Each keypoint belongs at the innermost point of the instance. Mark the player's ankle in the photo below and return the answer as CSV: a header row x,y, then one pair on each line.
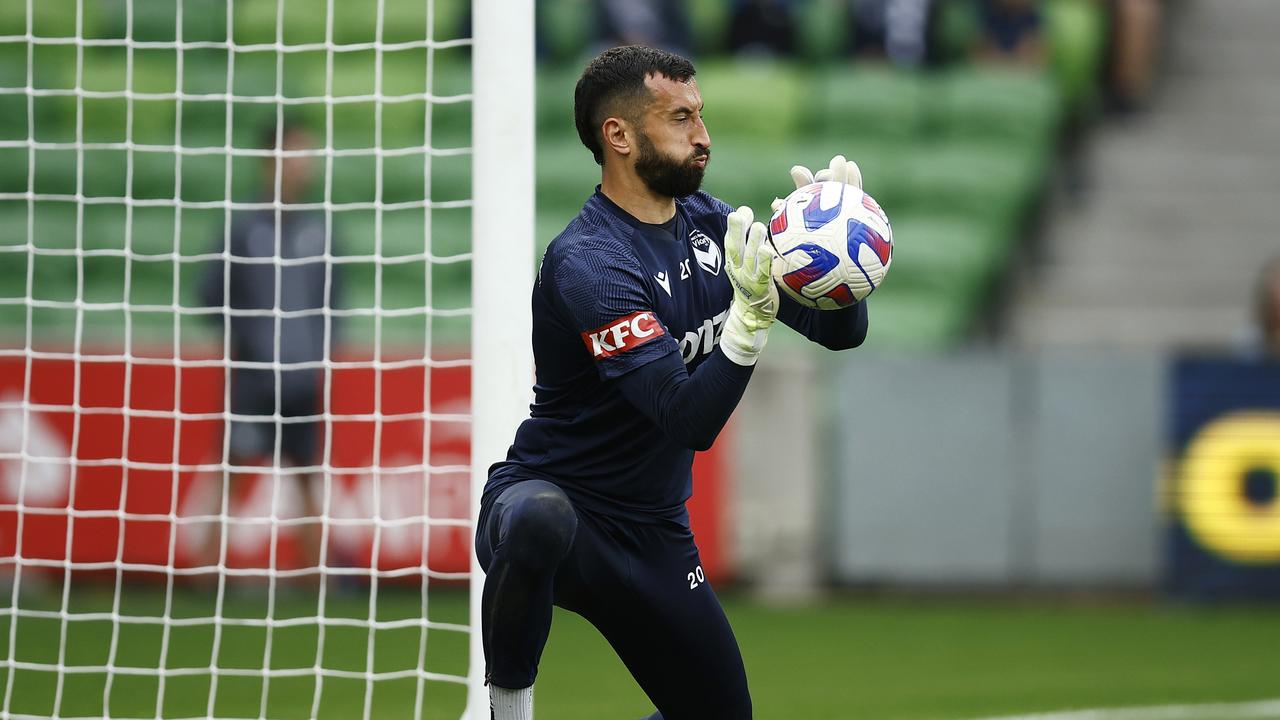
x,y
507,704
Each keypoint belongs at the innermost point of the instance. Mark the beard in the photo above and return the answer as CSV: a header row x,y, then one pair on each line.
x,y
665,175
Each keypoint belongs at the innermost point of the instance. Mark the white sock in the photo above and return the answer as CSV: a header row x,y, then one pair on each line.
x,y
511,704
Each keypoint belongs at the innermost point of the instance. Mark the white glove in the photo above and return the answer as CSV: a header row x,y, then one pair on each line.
x,y
839,169
755,299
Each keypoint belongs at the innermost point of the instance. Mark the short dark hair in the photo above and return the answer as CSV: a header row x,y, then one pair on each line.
x,y
616,78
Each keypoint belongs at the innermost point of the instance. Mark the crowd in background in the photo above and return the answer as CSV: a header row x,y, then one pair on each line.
x,y
912,34
903,32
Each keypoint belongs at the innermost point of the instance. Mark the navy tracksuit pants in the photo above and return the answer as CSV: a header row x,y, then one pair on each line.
x,y
640,584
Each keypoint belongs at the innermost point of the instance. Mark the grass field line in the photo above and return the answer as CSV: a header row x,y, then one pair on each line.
x,y
1264,709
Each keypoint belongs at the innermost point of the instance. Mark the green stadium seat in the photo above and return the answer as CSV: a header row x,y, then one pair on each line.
x,y
150,281
751,180
565,29
914,320
997,103
13,106
53,226
13,21
821,28
743,173
872,101
52,18
404,285
554,103
549,225
403,232
885,169
946,252
13,221
13,169
566,175
956,30
55,171
450,232
957,159
13,265
201,22
709,20
451,122
753,99
978,179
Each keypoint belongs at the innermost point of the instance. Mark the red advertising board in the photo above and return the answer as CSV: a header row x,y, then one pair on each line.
x,y
122,461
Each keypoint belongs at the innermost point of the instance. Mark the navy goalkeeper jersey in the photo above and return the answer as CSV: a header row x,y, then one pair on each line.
x,y
613,294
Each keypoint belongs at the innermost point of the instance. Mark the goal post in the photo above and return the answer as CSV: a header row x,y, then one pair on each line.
x,y
502,263
147,567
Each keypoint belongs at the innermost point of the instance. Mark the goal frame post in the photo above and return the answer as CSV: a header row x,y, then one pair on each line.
x,y
502,241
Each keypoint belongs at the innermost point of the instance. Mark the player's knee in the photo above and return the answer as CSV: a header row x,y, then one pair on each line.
x,y
542,528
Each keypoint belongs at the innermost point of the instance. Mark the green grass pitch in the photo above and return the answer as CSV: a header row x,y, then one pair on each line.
x,y
850,657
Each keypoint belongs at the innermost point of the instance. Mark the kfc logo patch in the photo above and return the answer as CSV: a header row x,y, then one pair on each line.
x,y
705,252
623,334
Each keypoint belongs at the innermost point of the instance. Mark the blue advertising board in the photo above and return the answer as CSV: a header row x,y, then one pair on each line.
x,y
1224,519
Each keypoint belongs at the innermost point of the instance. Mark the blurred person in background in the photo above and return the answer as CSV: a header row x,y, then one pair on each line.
x,y
1134,47
275,289
1266,342
762,27
657,23
1011,32
900,30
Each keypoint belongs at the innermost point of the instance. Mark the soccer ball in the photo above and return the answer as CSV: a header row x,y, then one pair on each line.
x,y
835,245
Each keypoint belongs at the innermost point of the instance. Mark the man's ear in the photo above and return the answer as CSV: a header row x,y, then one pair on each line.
x,y
616,133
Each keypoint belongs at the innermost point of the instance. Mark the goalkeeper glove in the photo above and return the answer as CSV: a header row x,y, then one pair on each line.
x,y
839,169
755,299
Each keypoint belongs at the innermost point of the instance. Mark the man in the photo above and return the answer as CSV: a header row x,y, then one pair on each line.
x,y
275,290
901,30
1267,308
1012,32
649,312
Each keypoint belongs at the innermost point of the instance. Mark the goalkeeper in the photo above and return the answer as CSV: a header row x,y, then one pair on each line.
x,y
649,312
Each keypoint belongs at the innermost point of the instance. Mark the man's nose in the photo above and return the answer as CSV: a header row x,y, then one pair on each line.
x,y
701,137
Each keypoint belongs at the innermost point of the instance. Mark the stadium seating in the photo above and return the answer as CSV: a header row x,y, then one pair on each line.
x,y
957,157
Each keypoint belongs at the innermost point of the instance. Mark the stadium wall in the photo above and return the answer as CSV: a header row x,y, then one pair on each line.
x,y
144,493
778,489
997,469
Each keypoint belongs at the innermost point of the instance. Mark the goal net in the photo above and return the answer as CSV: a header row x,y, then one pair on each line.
x,y
238,347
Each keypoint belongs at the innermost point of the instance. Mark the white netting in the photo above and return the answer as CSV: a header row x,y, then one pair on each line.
x,y
153,564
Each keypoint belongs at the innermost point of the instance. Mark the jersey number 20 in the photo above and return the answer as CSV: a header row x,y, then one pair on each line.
x,y
696,577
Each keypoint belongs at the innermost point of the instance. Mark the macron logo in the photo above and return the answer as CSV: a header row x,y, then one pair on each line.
x,y
664,282
623,334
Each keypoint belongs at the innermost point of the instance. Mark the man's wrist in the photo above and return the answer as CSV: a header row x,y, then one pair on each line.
x,y
738,356
743,340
